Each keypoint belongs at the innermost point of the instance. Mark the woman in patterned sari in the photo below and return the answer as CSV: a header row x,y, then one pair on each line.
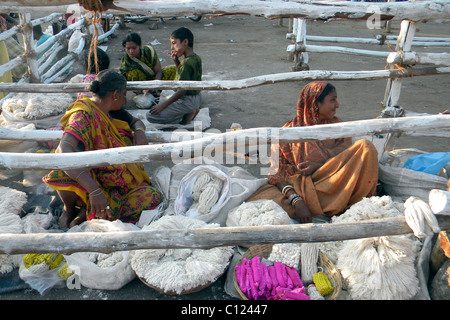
x,y
320,178
141,63
110,192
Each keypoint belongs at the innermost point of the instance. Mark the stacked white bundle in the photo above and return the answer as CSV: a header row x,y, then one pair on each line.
x,y
11,203
379,267
30,106
258,213
286,253
180,270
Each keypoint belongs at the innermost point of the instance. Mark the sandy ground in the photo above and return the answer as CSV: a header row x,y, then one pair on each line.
x,y
238,47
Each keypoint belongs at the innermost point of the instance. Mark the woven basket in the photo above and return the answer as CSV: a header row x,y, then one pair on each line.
x,y
323,262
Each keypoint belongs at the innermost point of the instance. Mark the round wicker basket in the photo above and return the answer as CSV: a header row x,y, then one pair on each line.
x,y
323,262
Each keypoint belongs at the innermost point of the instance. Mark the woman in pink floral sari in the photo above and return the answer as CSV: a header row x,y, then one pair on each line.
x,y
110,192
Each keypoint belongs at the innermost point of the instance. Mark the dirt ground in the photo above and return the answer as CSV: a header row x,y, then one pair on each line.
x,y
238,47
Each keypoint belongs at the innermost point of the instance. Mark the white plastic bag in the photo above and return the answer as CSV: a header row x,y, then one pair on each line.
x,y
243,185
90,274
184,199
399,182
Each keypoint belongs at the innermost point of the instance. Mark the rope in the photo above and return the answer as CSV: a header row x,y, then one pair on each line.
x,y
94,7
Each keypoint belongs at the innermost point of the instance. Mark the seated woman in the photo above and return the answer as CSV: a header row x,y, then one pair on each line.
x,y
142,63
320,178
110,192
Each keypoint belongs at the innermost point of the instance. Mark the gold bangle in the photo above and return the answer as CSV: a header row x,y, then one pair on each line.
x,y
139,129
296,200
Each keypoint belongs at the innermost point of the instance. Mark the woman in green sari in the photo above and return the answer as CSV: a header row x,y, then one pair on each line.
x,y
141,63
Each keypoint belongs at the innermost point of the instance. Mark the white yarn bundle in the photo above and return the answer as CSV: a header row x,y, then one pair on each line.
x,y
420,218
258,213
11,203
379,268
179,270
286,253
309,254
30,106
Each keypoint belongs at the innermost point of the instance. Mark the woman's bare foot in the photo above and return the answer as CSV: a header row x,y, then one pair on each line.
x,y
187,118
65,219
79,218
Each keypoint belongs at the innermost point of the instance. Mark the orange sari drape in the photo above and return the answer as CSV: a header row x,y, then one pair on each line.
x,y
349,172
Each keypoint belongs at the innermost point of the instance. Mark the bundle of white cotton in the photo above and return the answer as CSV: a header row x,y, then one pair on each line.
x,y
368,208
11,203
380,268
180,270
258,213
286,253
30,106
9,261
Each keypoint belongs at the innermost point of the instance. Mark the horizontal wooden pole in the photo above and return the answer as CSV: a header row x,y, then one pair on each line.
x,y
188,149
68,243
225,85
416,11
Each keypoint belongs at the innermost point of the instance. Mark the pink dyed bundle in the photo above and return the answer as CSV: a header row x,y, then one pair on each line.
x,y
261,282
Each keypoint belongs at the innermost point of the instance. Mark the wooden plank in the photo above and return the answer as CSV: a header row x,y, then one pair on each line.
x,y
417,11
225,85
188,149
67,243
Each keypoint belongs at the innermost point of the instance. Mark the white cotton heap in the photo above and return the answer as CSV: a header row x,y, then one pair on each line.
x,y
9,262
11,203
31,106
106,260
180,270
258,213
286,253
379,268
368,208
309,254
420,218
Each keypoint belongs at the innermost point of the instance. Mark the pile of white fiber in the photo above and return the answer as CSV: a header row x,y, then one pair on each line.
x,y
11,203
379,267
180,270
286,253
30,106
258,213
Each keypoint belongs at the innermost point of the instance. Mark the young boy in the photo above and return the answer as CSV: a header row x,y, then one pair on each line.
x,y
183,105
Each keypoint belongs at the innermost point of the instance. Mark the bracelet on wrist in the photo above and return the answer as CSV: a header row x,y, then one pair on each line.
x,y
297,199
96,192
286,188
293,197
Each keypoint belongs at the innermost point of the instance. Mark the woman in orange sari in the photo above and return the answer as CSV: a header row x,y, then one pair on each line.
x,y
110,192
320,178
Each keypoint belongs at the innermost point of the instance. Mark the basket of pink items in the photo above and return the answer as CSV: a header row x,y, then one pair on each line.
x,y
256,280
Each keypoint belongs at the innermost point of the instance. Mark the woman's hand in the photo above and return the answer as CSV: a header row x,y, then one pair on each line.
x,y
302,213
157,109
99,204
307,168
139,138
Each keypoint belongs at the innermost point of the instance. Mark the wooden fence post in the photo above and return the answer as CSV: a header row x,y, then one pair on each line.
x,y
33,68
